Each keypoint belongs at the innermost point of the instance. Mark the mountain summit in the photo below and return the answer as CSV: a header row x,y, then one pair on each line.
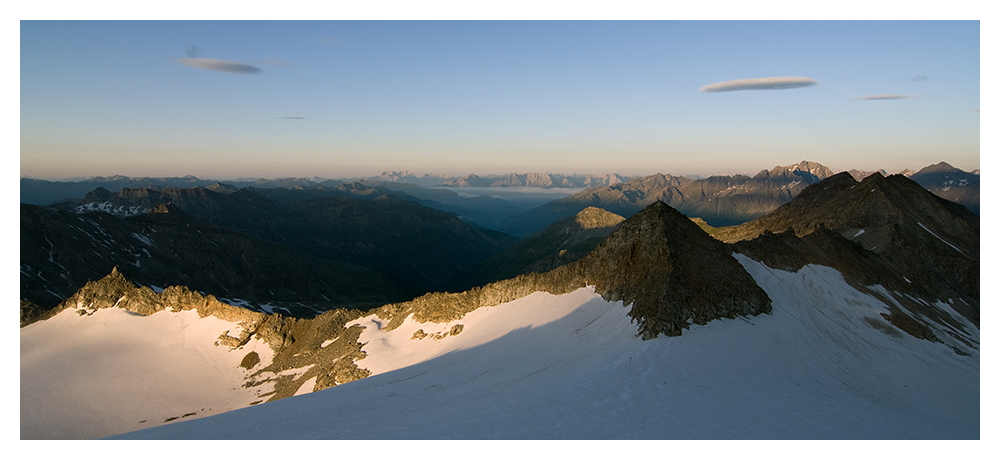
x,y
672,273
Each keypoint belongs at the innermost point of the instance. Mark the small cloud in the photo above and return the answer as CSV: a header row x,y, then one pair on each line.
x,y
976,110
273,62
292,118
219,65
919,78
758,83
882,97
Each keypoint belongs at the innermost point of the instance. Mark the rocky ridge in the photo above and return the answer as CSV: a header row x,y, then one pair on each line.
x,y
352,223
322,344
887,232
61,251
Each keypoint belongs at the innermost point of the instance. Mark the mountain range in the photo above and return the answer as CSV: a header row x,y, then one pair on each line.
x,y
849,311
718,200
355,236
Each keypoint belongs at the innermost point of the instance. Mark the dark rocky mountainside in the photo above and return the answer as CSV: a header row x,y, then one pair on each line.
x,y
719,200
423,247
430,247
950,183
61,251
564,241
672,273
928,246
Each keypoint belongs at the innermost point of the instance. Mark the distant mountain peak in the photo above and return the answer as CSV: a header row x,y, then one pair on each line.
x,y
941,167
592,217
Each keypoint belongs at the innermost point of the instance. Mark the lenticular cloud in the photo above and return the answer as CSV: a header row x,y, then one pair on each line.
x,y
219,65
758,83
882,97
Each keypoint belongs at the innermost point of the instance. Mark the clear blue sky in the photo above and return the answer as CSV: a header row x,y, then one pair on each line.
x,y
335,99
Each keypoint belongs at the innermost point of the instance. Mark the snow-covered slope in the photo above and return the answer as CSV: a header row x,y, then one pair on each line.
x,y
823,365
113,371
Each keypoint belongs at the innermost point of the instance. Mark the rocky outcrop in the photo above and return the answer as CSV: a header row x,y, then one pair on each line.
x,y
671,273
321,345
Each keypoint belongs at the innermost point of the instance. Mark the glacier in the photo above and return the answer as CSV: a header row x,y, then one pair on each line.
x,y
823,365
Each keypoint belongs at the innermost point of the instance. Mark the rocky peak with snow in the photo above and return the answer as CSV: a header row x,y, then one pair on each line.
x,y
950,183
805,170
917,235
672,273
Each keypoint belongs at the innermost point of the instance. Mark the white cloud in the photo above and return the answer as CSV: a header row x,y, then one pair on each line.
x,y
882,97
218,65
758,83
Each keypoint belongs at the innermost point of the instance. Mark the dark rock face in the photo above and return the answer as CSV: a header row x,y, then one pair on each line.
x,y
901,237
671,272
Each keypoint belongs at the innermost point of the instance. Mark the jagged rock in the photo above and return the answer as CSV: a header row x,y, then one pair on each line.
x,y
882,231
297,342
922,236
671,273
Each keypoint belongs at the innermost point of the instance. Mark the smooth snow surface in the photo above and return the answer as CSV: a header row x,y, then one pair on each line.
x,y
86,377
823,365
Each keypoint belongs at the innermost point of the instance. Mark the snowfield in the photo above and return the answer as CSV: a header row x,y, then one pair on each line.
x,y
87,377
823,365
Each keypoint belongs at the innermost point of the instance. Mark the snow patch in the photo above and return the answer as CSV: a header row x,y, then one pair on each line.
x,y
144,239
938,237
118,371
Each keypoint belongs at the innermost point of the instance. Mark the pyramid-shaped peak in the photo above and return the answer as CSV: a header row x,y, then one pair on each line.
x,y
672,273
941,167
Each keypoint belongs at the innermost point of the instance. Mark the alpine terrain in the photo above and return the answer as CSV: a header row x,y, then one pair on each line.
x,y
850,310
718,200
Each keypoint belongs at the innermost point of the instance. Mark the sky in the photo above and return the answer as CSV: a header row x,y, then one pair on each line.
x,y
231,99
